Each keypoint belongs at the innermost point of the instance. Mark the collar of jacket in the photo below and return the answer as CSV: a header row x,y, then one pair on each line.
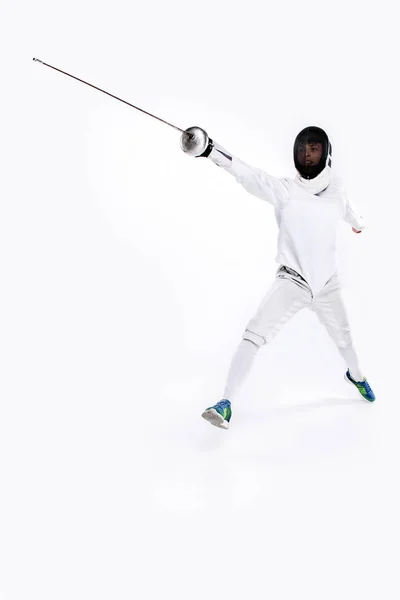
x,y
316,185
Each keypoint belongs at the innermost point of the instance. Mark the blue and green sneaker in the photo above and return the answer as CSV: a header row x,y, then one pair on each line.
x,y
219,414
363,387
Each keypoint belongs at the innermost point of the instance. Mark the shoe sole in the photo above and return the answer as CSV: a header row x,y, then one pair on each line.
x,y
213,417
352,384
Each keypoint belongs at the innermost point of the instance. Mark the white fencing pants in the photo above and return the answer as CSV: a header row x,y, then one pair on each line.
x,y
289,294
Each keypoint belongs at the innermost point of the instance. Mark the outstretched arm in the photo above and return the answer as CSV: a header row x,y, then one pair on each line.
x,y
254,180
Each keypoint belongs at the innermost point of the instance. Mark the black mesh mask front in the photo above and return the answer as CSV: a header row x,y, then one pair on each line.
x,y
307,138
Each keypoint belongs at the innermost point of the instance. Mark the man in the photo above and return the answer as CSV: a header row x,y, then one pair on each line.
x,y
308,210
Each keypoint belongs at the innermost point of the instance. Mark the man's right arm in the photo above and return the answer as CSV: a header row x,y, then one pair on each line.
x,y
254,180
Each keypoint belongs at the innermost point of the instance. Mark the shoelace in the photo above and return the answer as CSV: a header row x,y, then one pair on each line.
x,y
367,387
223,403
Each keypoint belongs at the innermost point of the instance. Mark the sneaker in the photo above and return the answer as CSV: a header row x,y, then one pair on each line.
x,y
363,387
219,414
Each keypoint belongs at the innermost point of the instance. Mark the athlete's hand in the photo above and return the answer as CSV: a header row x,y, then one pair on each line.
x,y
355,230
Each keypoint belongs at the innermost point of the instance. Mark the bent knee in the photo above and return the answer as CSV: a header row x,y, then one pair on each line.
x,y
256,339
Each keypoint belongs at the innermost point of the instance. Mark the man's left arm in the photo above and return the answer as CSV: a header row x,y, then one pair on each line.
x,y
352,217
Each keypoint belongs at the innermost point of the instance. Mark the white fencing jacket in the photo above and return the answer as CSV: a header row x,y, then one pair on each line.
x,y
308,223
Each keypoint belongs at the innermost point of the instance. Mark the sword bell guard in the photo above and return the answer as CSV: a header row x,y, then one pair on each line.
x,y
194,141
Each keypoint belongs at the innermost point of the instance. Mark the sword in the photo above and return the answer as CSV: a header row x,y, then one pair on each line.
x,y
190,135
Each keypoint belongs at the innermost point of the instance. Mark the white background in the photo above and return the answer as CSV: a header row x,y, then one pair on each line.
x,y
128,271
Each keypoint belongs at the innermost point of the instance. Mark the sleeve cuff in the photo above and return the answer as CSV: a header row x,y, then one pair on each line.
x,y
220,156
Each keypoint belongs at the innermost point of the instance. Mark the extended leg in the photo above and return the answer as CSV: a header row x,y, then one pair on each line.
x,y
282,302
330,309
284,299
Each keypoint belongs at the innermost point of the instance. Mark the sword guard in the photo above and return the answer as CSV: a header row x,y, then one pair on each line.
x,y
194,141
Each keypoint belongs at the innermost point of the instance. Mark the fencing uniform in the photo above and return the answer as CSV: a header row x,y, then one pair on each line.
x,y
308,216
